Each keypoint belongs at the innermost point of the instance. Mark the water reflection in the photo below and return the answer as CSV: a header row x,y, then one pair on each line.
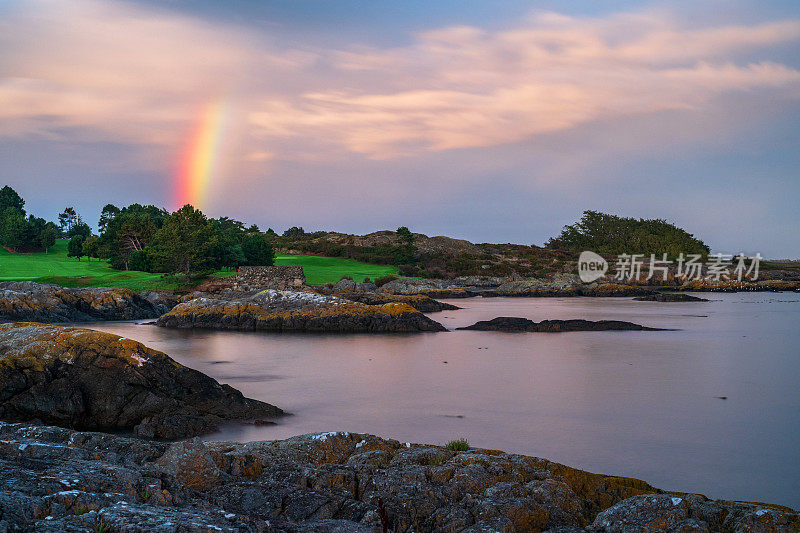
x,y
642,404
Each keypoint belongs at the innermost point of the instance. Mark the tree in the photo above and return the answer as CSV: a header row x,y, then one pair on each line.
x,y
611,234
67,219
129,231
10,198
405,235
294,232
47,237
90,247
13,228
183,242
75,247
140,260
109,212
233,257
79,227
257,250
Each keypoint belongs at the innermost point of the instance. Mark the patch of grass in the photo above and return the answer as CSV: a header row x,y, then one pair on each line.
x,y
458,445
101,526
321,270
55,267
437,460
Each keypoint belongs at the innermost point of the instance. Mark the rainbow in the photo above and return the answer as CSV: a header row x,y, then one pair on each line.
x,y
199,159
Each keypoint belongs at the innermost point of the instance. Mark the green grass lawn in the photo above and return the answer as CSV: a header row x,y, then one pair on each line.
x,y
55,267
321,270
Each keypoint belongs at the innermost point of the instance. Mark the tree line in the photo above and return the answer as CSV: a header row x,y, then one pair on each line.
x,y
139,237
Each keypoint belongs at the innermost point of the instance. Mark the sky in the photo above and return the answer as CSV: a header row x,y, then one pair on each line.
x,y
491,121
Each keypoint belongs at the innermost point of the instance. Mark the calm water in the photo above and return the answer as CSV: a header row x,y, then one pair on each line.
x,y
641,404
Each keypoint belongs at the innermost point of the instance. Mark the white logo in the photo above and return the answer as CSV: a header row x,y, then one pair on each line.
x,y
591,267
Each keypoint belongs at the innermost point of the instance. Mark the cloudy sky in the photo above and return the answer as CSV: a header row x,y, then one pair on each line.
x,y
493,121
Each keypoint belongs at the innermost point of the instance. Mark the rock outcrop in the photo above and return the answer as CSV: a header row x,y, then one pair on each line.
x,y
563,288
54,480
272,310
429,287
765,285
87,379
510,323
29,301
420,302
670,297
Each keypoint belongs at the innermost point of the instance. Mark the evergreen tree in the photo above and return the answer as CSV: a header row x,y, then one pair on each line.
x,y
257,250
183,242
75,247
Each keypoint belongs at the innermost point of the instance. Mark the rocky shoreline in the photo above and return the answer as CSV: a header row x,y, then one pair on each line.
x,y
35,302
272,310
56,480
86,379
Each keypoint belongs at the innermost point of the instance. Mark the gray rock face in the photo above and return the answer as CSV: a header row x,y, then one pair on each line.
x,y
510,323
92,380
56,479
29,301
272,310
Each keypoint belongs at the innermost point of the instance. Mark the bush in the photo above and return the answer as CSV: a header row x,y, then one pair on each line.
x,y
408,270
140,260
384,280
458,445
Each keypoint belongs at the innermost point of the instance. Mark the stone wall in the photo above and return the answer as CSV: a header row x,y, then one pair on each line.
x,y
269,277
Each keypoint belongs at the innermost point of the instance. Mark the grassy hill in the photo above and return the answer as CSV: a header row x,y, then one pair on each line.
x,y
55,267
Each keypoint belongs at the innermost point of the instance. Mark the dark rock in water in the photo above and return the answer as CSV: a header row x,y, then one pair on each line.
x,y
420,302
55,480
29,301
272,310
670,297
510,323
87,379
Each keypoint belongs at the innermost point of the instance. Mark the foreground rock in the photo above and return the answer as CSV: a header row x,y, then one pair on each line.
x,y
57,480
29,301
510,323
92,380
670,297
272,310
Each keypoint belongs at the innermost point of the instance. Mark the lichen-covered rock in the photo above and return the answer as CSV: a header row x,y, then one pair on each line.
x,y
272,310
420,302
54,479
29,301
511,323
87,379
434,288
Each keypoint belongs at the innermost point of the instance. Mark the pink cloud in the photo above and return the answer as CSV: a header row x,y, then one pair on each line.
x,y
113,70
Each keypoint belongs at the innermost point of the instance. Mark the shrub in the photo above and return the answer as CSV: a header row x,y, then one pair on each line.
x,y
140,260
383,280
408,270
458,445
